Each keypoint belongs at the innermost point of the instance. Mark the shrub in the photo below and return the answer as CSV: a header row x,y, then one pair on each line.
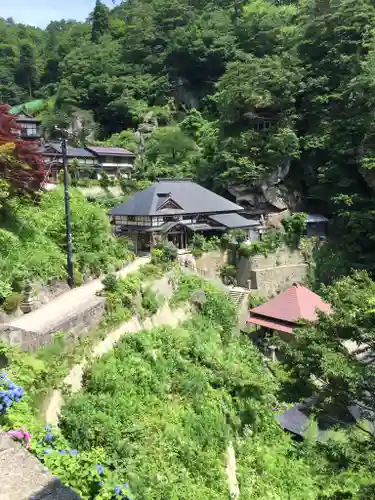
x,y
202,244
150,301
197,253
151,271
295,227
228,273
5,289
33,241
110,283
255,300
164,253
13,302
164,405
78,277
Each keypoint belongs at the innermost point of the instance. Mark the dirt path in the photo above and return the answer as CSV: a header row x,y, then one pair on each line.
x,y
165,316
44,318
230,470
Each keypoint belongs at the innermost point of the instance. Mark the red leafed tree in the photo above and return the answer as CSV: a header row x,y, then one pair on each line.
x,y
21,163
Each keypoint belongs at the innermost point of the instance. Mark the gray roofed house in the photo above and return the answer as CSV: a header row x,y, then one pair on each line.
x,y
112,151
176,208
93,160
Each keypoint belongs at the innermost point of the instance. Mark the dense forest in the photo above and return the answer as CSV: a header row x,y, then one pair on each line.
x,y
193,79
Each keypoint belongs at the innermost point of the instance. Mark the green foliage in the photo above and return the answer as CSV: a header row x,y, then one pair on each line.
x,y
215,306
130,295
228,274
295,227
270,242
100,21
168,389
164,253
201,244
12,302
33,239
255,300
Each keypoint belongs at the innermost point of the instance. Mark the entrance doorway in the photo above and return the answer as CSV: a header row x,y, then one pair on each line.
x,y
178,239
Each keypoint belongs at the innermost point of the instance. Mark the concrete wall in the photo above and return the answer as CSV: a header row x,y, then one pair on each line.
x,y
23,477
272,274
79,324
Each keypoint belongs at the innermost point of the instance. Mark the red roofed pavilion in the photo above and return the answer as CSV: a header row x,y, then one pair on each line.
x,y
283,311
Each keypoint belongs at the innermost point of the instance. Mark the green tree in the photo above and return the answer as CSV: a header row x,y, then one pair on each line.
x,y
100,21
27,74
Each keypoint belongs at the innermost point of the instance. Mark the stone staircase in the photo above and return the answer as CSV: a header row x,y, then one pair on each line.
x,y
237,294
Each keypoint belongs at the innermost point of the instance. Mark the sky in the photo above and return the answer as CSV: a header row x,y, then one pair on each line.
x,y
41,12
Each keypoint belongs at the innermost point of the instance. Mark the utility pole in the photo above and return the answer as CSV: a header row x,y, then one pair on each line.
x,y
69,247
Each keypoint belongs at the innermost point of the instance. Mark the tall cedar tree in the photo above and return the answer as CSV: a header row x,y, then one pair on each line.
x,y
100,21
27,75
23,168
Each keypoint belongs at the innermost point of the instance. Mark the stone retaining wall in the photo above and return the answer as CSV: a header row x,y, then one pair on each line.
x,y
79,324
272,274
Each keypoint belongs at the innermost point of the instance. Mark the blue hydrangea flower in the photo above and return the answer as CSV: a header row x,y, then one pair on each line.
x,y
47,428
48,452
117,490
126,486
49,437
100,469
74,452
62,452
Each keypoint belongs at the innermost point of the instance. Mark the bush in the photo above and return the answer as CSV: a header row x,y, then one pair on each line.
x,y
164,253
121,293
150,301
33,239
110,283
255,300
13,302
151,271
78,277
228,274
197,253
164,404
295,228
202,244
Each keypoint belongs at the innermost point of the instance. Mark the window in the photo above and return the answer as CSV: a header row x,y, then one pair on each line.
x,y
30,129
264,125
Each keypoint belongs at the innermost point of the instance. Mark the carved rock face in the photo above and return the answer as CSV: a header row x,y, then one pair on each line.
x,y
268,193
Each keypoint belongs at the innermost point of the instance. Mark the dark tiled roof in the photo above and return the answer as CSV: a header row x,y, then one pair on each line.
x,y
298,302
191,197
27,119
232,221
70,150
108,151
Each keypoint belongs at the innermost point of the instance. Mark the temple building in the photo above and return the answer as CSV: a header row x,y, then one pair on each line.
x,y
282,313
175,209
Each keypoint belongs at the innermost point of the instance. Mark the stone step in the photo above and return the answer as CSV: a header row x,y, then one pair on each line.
x,y
237,296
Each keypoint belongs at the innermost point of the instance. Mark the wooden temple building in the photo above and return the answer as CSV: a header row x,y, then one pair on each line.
x,y
282,313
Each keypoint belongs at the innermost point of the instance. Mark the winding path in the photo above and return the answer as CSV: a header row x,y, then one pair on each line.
x,y
66,304
165,316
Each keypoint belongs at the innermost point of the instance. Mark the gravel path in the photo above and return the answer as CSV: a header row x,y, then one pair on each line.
x,y
230,469
44,318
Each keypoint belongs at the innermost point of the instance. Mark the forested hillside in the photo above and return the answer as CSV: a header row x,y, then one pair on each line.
x,y
195,77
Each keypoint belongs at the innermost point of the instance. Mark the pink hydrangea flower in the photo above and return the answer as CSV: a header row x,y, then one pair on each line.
x,y
21,435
